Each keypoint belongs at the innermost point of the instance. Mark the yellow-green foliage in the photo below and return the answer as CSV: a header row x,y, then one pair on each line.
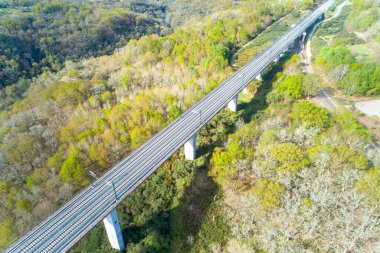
x,y
222,161
370,185
311,115
6,232
72,170
24,205
290,157
292,86
269,193
350,124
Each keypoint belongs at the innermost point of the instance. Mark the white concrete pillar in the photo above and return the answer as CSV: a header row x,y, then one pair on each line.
x,y
190,148
276,59
232,105
111,223
245,91
260,76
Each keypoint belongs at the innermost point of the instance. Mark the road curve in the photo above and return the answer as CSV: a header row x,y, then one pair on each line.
x,y
65,227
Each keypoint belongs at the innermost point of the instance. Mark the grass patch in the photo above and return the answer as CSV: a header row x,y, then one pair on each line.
x,y
364,53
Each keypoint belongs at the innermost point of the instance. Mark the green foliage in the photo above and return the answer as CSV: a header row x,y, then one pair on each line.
x,y
157,194
350,125
24,205
6,232
363,79
223,169
3,187
370,185
311,85
72,169
290,157
331,57
292,86
97,111
34,39
269,193
174,111
364,14
339,63
311,115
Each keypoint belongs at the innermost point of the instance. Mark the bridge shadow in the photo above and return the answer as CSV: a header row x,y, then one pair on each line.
x,y
255,107
178,229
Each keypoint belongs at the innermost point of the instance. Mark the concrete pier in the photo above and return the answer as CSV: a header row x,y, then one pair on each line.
x,y
111,223
232,105
190,148
260,76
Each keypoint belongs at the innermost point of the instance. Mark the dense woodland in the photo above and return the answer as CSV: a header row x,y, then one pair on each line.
x,y
37,36
249,190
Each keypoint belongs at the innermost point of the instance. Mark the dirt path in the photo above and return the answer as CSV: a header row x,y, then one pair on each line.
x,y
324,99
337,12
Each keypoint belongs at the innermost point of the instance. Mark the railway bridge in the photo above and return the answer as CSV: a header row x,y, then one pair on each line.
x,y
65,227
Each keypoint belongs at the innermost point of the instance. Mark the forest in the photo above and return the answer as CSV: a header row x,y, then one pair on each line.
x,y
253,187
38,36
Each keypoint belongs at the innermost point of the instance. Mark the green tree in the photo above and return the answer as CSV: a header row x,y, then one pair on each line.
x,y
268,192
222,161
311,115
24,205
72,170
292,86
311,85
290,157
370,185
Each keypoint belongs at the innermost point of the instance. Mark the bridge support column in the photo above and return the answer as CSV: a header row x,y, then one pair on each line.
x,y
190,148
245,91
111,223
260,76
303,36
276,59
232,105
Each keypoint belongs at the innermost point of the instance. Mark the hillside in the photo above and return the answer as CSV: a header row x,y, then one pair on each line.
x,y
38,36
282,174
92,113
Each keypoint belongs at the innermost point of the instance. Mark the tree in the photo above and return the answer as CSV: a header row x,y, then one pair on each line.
x,y
311,85
24,205
292,86
370,185
269,193
222,161
291,157
311,115
72,170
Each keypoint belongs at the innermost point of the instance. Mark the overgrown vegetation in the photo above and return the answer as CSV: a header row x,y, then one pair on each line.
x,y
40,35
292,177
336,43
